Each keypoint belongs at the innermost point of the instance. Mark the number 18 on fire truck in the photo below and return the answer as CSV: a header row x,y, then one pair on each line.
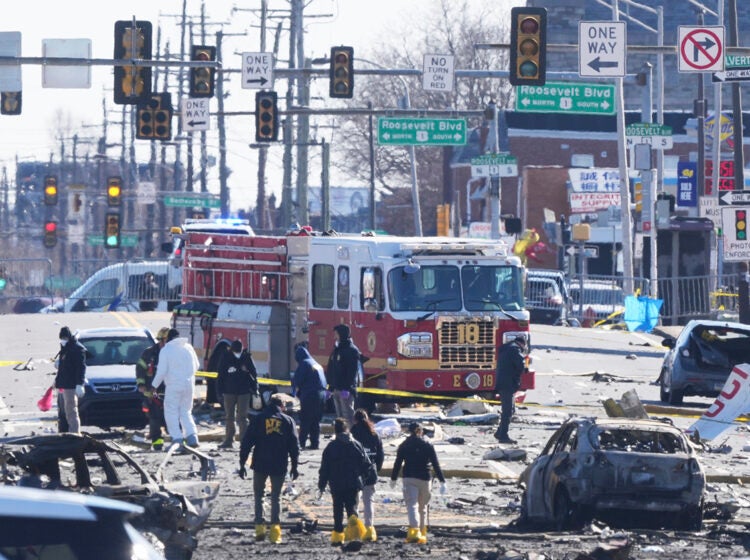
x,y
428,313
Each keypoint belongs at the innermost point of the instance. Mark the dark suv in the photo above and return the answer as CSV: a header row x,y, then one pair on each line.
x,y
112,397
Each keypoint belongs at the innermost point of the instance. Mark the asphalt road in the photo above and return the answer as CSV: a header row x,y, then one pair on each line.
x,y
576,370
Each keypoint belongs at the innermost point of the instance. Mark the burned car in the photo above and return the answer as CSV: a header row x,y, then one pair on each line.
x,y
174,512
625,471
701,358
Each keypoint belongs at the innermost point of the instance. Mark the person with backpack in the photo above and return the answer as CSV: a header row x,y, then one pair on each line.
x,y
342,468
363,430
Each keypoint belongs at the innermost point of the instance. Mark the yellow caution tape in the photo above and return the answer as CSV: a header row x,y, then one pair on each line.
x,y
9,363
368,390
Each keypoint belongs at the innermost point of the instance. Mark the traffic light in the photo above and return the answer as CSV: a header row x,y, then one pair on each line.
x,y
50,234
112,230
740,224
155,118
443,219
50,190
202,79
528,46
342,72
266,116
114,191
10,103
132,83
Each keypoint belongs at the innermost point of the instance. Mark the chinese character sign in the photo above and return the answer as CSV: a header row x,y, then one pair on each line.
x,y
687,184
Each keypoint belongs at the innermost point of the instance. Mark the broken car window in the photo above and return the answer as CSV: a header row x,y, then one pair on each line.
x,y
640,441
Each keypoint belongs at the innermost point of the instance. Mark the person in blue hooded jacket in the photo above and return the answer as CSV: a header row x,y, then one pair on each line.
x,y
309,386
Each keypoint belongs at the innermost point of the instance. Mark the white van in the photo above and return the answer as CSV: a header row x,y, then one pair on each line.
x,y
130,286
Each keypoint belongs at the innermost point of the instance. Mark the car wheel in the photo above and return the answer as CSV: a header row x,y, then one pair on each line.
x,y
692,518
523,518
663,393
675,397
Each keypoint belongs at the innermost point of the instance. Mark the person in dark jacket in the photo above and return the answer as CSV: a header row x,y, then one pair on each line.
x,y
153,401
341,372
416,454
272,437
71,373
363,430
510,365
309,386
236,383
342,468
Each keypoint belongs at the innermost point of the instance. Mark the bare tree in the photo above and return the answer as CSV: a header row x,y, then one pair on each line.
x,y
451,28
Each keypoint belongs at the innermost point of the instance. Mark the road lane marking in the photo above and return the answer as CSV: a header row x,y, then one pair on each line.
x,y
126,319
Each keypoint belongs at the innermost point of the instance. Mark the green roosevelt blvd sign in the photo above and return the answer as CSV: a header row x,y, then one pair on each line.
x,y
189,201
560,97
421,132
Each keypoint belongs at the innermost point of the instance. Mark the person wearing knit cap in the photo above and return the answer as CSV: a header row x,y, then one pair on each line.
x,y
341,373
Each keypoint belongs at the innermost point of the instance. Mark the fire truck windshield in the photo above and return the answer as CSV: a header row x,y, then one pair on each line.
x,y
492,288
441,287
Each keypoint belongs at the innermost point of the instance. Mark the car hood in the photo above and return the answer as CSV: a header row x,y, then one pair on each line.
x,y
114,372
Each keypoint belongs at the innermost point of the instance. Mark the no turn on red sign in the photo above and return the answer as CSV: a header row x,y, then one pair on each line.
x,y
701,49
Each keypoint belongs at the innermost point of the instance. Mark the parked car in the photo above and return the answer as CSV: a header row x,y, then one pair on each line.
x,y
52,525
544,301
112,397
625,471
701,358
172,511
601,300
561,281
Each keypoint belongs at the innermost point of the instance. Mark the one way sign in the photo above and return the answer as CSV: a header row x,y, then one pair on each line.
x,y
195,113
601,49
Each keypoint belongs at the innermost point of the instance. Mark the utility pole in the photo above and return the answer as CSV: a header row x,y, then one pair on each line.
x,y
739,156
303,121
260,201
288,126
325,188
223,175
622,155
700,113
490,147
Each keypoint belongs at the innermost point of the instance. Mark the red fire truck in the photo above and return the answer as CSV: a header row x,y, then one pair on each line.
x,y
427,313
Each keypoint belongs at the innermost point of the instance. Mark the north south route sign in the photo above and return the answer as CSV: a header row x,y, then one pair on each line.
x,y
421,132
561,97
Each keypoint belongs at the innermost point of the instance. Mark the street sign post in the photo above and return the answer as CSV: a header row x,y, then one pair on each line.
x,y
194,112
494,165
601,49
735,198
701,49
437,73
732,75
126,240
257,70
187,201
421,132
588,251
658,136
560,97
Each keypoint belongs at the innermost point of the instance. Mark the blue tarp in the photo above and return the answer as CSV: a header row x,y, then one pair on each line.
x,y
642,313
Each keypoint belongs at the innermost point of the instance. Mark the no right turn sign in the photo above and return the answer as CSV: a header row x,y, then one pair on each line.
x,y
701,49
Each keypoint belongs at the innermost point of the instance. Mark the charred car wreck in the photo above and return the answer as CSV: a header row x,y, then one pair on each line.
x,y
628,472
174,511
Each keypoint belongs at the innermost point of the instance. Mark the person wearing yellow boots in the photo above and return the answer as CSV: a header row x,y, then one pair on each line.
x,y
363,430
417,455
342,468
272,436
